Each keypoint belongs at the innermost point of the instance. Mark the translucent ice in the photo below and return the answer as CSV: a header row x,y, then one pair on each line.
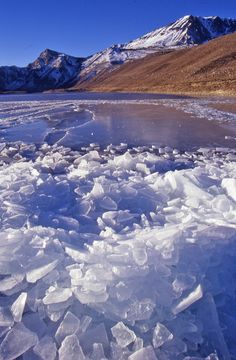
x,y
98,352
6,318
147,353
123,335
46,348
160,335
189,300
71,349
17,341
18,306
57,296
68,326
98,334
230,186
36,273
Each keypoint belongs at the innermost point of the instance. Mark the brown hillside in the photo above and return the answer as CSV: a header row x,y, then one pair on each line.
x,y
204,69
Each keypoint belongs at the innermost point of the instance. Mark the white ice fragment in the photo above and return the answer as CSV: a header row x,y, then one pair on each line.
x,y
9,282
98,334
138,344
183,282
6,318
189,300
160,335
140,255
34,274
146,353
84,323
68,326
46,348
57,296
17,341
123,335
98,352
107,203
18,306
140,309
230,186
70,349
97,191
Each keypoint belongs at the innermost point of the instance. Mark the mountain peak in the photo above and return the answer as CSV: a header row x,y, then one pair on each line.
x,y
188,30
48,53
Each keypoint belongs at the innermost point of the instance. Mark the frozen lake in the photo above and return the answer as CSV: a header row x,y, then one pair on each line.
x,y
79,119
117,227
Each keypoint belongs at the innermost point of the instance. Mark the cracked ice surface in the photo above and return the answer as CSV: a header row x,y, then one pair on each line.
x,y
117,253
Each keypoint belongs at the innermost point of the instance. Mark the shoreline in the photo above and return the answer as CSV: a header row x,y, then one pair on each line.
x,y
196,94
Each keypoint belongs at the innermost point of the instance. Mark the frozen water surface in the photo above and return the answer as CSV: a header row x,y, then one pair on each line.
x,y
117,228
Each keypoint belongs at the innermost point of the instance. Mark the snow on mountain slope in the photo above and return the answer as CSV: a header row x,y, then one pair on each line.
x,y
49,71
189,30
53,70
108,59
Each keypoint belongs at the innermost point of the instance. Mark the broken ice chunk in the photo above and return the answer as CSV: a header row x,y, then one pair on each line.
x,y
9,282
139,255
183,282
138,344
17,341
98,352
160,335
37,272
230,186
46,348
68,326
108,204
18,306
97,334
70,349
84,323
189,300
97,191
123,335
57,296
140,309
146,353
6,318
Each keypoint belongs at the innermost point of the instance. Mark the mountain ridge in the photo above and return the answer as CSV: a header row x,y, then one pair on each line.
x,y
54,70
209,68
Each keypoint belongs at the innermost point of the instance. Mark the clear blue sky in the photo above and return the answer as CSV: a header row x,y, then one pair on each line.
x,y
83,27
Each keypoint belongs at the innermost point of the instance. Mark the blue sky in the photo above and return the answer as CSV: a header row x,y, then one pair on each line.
x,y
82,27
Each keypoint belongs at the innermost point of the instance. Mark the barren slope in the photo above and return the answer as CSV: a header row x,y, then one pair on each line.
x,y
208,68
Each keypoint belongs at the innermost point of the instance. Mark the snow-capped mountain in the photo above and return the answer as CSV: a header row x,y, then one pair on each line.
x,y
50,70
53,70
189,30
109,59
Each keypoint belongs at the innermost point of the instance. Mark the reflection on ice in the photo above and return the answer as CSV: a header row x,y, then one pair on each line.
x,y
75,123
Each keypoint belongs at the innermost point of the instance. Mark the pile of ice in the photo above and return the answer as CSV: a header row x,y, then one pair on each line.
x,y
117,254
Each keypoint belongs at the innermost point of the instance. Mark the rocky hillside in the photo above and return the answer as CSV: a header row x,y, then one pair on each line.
x,y
207,68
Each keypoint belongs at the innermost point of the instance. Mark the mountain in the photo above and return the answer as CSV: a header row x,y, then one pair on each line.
x,y
189,30
108,60
209,68
53,70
